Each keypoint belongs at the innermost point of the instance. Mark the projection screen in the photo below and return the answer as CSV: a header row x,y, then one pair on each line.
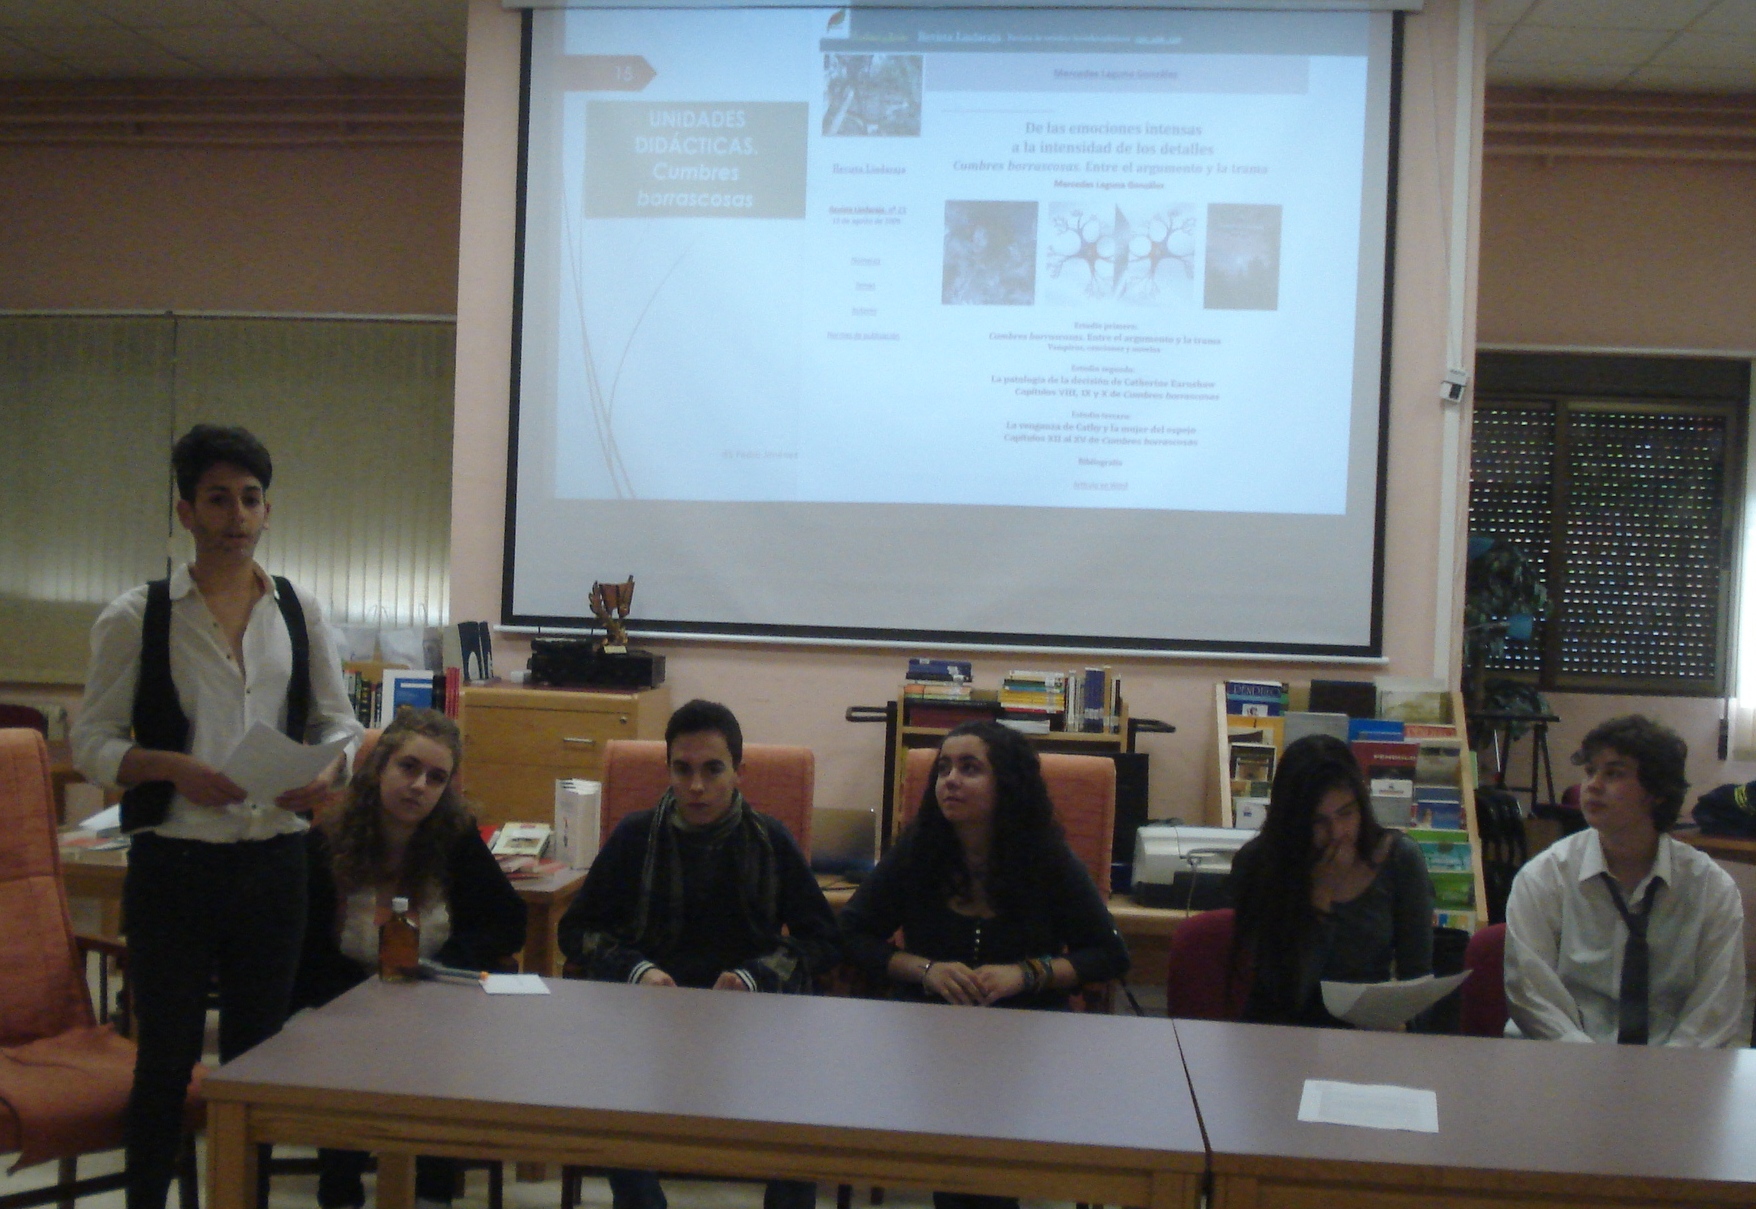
x,y
1061,328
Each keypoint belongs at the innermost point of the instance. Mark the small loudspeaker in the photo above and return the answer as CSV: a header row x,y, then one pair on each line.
x,y
1131,783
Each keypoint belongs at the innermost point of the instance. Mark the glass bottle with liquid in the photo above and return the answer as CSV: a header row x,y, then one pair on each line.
x,y
399,945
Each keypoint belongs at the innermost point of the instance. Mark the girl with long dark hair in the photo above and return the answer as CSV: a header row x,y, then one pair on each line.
x,y
993,907
1325,891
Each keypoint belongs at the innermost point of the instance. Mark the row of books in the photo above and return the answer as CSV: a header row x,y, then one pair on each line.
x,y
1407,699
377,691
938,693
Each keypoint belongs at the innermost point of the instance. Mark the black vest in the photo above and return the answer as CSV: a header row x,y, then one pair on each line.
x,y
159,720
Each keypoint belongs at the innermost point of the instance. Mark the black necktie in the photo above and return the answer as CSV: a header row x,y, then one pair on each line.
x,y
1631,1002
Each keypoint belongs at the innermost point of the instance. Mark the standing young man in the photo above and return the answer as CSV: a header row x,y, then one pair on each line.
x,y
181,669
702,891
1621,933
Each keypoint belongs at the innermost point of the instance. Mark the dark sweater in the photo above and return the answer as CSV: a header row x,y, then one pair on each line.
x,y
1387,929
713,937
487,919
1077,917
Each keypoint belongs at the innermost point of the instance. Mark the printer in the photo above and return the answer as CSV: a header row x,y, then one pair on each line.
x,y
1185,867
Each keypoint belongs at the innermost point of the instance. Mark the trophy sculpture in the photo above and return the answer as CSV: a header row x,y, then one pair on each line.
x,y
610,604
582,663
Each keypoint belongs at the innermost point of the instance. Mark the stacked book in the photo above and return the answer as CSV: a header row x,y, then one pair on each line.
x,y
937,693
1033,702
1094,701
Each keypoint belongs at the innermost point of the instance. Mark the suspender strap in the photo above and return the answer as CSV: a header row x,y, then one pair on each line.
x,y
299,682
158,719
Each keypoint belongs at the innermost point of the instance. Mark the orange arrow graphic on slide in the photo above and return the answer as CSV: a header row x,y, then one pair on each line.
x,y
605,73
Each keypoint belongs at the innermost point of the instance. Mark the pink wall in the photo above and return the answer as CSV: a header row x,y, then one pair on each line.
x,y
799,694
1619,253
353,229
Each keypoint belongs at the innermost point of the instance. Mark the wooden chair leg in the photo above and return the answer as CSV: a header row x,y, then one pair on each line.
x,y
188,1175
877,1195
264,1157
67,1171
844,1196
496,1186
570,1177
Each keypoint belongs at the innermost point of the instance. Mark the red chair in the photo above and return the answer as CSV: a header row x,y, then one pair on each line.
x,y
24,716
1484,991
64,1073
1198,983
778,780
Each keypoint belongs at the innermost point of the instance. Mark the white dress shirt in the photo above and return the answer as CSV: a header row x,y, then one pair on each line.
x,y
221,700
1564,943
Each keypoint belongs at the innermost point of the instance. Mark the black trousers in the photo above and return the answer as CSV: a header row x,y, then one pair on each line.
x,y
196,911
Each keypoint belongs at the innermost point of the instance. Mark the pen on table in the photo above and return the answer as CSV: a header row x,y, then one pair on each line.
x,y
434,971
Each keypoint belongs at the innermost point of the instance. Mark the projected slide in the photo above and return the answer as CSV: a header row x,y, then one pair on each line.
x,y
1043,259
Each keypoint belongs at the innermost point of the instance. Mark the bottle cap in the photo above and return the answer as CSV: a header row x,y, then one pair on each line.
x,y
399,905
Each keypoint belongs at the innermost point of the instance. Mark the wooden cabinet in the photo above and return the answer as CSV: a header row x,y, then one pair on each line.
x,y
517,742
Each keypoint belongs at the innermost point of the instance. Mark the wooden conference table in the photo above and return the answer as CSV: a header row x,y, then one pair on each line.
x,y
1043,1104
1521,1123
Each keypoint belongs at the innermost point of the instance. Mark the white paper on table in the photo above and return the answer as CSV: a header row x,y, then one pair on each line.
x,y
266,763
1387,1005
1370,1106
514,984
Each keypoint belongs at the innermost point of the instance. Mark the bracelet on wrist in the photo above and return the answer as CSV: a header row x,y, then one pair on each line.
x,y
927,969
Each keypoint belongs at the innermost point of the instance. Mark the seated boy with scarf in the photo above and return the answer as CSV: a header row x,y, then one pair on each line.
x,y
701,891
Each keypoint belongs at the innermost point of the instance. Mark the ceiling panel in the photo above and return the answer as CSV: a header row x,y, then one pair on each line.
x,y
22,63
138,14
1561,47
1617,14
1695,79
1557,43
1730,17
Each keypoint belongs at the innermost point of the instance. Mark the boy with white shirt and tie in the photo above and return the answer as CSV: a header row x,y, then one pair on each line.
x,y
1621,933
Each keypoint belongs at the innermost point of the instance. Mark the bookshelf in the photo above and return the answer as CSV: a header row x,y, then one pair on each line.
x,y
1224,805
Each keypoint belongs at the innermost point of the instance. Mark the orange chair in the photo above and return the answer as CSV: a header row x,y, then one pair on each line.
x,y
1082,788
64,1075
1198,985
1484,991
777,780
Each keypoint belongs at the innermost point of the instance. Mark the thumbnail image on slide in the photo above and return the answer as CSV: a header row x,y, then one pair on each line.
x,y
1243,257
872,96
990,253
1144,255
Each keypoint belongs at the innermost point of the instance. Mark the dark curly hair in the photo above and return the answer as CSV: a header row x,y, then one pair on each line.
x,y
356,828
1271,883
1026,836
1660,755
207,445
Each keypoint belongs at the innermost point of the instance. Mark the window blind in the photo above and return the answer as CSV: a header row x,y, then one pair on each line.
x,y
1626,506
358,416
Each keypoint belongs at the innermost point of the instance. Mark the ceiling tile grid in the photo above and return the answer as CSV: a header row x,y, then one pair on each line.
x,y
1693,45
